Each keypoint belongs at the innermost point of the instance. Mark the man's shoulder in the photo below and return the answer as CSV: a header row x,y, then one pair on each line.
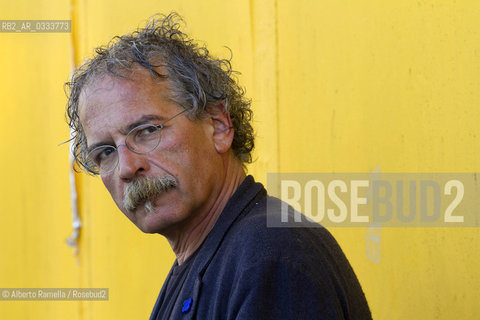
x,y
251,239
257,265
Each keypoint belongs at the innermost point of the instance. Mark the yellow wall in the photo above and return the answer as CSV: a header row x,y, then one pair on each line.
x,y
337,86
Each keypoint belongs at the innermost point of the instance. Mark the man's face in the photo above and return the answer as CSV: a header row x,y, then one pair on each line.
x,y
188,150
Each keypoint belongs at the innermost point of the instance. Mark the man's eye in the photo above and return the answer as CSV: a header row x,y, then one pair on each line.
x,y
103,155
146,132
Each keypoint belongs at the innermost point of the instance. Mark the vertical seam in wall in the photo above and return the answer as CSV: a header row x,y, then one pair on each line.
x,y
75,177
252,29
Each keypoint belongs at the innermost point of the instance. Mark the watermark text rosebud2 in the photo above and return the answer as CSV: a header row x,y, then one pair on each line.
x,y
387,199
54,294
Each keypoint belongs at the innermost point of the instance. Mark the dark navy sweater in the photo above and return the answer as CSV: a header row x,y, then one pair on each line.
x,y
245,270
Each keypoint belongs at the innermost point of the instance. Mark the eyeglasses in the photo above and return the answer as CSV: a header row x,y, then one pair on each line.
x,y
142,139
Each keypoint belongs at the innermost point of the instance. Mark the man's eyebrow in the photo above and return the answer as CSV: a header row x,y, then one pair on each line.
x,y
96,145
142,120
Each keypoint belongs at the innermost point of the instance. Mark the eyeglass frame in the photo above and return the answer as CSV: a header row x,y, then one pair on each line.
x,y
159,127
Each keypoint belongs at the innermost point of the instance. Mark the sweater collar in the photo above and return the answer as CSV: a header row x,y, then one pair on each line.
x,y
242,199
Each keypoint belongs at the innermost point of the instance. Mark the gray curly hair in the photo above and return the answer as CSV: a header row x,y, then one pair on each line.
x,y
196,79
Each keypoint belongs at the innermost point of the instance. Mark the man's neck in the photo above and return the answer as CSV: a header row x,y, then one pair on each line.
x,y
186,242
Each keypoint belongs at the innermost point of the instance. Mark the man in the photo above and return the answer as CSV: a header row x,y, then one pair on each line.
x,y
168,130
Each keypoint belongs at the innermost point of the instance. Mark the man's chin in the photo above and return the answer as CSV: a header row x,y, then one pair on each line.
x,y
150,227
147,220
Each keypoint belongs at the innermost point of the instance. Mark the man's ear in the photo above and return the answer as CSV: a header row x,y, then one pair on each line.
x,y
222,127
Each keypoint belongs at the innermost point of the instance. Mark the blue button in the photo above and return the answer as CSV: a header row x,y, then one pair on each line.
x,y
187,304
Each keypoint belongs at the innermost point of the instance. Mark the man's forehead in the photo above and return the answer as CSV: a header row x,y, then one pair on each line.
x,y
114,89
105,84
94,95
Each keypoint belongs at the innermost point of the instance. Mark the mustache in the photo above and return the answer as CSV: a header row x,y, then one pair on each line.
x,y
144,189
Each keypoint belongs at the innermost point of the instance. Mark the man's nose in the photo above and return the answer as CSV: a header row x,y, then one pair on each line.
x,y
130,164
